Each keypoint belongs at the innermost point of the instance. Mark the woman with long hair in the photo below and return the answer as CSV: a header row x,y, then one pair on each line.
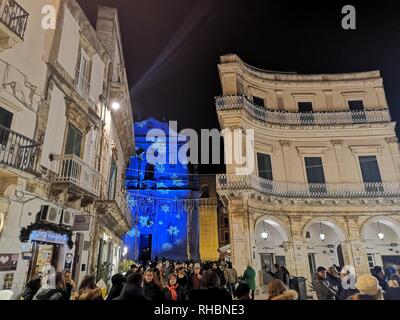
x,y
277,290
88,290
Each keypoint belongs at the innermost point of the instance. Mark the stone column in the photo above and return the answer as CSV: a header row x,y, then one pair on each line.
x,y
240,235
394,152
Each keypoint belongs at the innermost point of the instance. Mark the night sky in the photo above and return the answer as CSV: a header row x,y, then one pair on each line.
x,y
172,48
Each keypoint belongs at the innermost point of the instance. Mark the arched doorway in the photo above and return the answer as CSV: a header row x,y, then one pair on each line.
x,y
324,244
382,242
270,237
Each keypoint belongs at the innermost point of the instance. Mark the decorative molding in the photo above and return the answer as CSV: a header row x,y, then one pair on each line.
x,y
311,150
366,150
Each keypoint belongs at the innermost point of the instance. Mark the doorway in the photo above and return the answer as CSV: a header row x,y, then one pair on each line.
x,y
145,242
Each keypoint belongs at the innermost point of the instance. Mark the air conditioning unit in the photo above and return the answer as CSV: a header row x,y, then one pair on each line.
x,y
67,218
50,213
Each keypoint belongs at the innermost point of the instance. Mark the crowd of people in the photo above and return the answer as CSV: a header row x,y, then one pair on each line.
x,y
341,284
215,282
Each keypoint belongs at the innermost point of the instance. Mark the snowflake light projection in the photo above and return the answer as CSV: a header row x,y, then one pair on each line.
x,y
165,208
145,221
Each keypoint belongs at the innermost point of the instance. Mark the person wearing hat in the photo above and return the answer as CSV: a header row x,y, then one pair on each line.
x,y
368,287
195,278
323,289
378,273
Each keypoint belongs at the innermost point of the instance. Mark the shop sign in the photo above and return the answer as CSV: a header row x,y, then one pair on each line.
x,y
81,223
26,255
8,262
68,261
48,236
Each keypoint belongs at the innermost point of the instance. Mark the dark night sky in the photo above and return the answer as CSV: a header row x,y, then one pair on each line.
x,y
172,48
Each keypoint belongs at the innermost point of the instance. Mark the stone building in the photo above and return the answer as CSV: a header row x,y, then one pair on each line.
x,y
325,186
66,136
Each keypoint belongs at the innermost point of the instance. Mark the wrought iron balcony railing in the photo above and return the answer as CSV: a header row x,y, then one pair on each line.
x,y
72,169
14,17
309,190
301,118
18,151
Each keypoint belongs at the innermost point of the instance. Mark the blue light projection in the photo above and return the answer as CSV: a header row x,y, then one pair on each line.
x,y
164,223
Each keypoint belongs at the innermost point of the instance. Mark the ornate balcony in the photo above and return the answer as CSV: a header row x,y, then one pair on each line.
x,y
18,151
13,22
76,175
300,118
116,213
308,190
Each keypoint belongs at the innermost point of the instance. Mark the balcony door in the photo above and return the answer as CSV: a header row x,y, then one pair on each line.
x,y
370,173
357,108
315,174
74,141
112,181
265,170
5,121
306,112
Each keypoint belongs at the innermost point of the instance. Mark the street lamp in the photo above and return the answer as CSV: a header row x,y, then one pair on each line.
x,y
380,234
115,105
264,234
322,234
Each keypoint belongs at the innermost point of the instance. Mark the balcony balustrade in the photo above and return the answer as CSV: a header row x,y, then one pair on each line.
x,y
301,118
73,170
18,151
309,190
13,23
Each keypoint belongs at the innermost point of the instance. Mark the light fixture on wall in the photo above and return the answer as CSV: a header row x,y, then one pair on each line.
x,y
264,234
380,234
124,251
322,234
115,105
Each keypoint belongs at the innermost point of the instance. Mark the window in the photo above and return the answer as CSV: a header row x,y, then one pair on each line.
x,y
311,263
315,174
370,173
149,172
226,234
83,74
5,118
264,166
74,141
226,221
5,121
305,110
259,101
371,260
112,186
357,108
205,192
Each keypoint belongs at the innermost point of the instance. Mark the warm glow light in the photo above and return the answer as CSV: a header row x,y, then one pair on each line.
x,y
264,235
115,106
125,252
381,235
322,236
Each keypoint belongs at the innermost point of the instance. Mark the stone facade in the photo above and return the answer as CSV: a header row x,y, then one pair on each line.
x,y
302,215
77,146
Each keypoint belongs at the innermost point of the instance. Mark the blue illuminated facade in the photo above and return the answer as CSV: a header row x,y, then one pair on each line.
x,y
166,226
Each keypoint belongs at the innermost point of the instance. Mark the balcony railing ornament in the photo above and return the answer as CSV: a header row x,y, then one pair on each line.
x,y
14,17
301,118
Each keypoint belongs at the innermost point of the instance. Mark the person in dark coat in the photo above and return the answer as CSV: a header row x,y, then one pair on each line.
x,y
152,286
378,273
323,289
334,280
31,288
242,292
183,281
51,292
133,289
393,290
210,291
118,281
195,278
70,285
220,273
173,291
